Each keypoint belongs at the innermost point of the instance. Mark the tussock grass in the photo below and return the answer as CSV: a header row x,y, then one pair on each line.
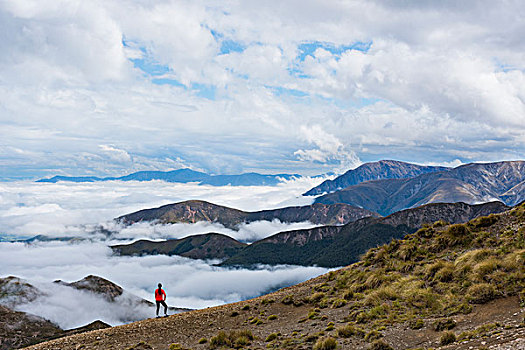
x,y
437,271
325,344
233,339
447,338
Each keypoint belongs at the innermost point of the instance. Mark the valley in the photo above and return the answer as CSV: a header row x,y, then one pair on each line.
x,y
444,286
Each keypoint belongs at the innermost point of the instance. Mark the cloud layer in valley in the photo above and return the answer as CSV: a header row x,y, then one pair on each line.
x,y
70,209
188,283
77,209
109,87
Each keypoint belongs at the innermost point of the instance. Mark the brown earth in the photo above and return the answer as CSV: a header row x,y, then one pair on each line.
x,y
292,322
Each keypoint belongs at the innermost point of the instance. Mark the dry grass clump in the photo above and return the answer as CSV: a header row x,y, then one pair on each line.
x,y
446,324
325,344
348,331
436,272
372,336
481,293
416,323
447,338
271,337
380,345
233,339
482,331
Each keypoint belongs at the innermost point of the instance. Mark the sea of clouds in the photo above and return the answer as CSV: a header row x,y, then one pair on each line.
x,y
79,210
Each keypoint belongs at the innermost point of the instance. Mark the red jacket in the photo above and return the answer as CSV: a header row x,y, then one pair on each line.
x,y
160,294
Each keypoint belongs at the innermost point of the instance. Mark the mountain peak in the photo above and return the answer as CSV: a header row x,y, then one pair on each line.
x,y
382,169
469,183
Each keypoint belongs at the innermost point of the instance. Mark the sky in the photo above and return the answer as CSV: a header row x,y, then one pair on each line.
x,y
108,87
79,210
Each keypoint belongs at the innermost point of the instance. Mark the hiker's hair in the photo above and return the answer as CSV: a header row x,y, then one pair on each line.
x,y
160,285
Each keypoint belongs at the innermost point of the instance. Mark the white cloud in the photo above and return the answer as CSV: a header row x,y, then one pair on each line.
x,y
71,209
245,233
188,283
329,149
67,75
115,154
77,209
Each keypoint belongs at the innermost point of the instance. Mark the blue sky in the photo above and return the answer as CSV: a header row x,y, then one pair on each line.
x,y
106,88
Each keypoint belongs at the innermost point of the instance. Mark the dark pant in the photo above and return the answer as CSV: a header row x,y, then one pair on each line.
x,y
159,302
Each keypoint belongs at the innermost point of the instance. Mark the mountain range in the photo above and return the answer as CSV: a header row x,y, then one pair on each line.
x,y
195,210
328,246
333,246
383,169
470,183
186,176
456,286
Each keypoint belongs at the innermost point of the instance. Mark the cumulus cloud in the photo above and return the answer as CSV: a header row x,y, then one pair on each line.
x,y
329,149
159,80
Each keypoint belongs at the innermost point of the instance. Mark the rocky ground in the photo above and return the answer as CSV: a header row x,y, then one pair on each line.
x,y
502,318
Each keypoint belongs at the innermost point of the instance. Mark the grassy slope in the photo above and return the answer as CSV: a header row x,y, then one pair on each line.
x,y
432,279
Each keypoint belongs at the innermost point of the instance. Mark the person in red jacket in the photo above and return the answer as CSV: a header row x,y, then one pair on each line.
x,y
160,298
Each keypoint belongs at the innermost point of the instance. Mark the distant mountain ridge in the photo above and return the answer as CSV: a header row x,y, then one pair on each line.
x,y
203,246
383,169
327,246
470,183
186,176
333,246
195,210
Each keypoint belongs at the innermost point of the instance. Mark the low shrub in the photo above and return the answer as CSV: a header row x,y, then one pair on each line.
x,y
485,221
481,293
337,303
203,341
346,331
416,324
457,230
373,335
441,325
325,344
447,338
287,300
272,317
271,337
380,345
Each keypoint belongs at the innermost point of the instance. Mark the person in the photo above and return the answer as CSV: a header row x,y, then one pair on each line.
x,y
160,299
